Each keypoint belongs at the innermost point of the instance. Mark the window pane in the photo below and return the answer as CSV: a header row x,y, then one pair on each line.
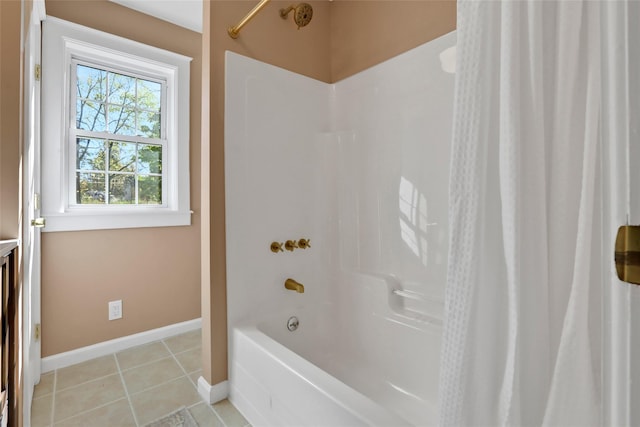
x,y
91,83
109,170
122,189
90,188
90,154
149,124
122,120
90,115
122,90
149,158
149,94
149,190
122,156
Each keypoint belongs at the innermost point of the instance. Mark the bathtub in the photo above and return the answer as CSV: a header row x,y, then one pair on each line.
x,y
331,372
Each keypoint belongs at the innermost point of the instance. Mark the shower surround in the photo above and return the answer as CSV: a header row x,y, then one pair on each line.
x,y
361,168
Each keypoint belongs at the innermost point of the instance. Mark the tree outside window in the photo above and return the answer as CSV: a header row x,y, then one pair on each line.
x,y
119,141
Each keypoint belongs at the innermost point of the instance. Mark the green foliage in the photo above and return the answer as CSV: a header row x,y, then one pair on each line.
x,y
120,105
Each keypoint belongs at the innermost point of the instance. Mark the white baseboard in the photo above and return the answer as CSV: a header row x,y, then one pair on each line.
x,y
212,393
83,354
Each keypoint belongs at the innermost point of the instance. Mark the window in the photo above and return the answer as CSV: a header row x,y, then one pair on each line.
x,y
116,140
118,137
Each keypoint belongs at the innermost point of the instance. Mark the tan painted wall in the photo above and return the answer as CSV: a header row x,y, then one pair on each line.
x,y
10,126
344,37
365,33
155,271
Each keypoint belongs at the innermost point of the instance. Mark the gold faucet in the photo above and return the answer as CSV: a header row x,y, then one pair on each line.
x,y
292,285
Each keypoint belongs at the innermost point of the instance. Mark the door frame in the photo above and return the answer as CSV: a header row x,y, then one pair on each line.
x,y
30,246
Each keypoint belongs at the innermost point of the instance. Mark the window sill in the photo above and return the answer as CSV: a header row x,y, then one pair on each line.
x,y
78,221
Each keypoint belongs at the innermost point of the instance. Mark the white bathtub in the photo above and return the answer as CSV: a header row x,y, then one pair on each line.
x,y
330,372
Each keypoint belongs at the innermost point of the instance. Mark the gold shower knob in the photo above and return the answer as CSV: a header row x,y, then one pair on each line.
x,y
276,247
304,243
290,245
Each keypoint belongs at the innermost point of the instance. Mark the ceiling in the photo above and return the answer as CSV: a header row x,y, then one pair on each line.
x,y
185,13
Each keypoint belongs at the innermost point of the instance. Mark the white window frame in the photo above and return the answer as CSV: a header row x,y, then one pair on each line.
x,y
63,44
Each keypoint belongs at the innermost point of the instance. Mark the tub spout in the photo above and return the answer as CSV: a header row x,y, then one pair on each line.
x,y
292,285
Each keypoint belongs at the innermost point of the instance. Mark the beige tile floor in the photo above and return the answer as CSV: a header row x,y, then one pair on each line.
x,y
130,388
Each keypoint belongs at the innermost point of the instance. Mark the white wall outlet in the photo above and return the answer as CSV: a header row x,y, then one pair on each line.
x,y
115,310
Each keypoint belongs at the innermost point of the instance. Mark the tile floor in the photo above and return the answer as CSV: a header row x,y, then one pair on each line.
x,y
130,388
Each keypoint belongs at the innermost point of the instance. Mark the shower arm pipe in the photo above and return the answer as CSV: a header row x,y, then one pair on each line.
x,y
235,31
285,12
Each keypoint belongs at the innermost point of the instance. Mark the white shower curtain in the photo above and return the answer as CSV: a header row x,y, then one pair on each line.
x,y
522,337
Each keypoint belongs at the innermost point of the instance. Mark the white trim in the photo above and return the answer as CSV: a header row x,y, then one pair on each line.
x,y
80,221
63,41
212,393
39,11
105,348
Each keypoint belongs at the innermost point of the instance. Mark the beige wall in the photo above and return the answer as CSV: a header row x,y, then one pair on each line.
x,y
10,126
365,33
155,271
344,37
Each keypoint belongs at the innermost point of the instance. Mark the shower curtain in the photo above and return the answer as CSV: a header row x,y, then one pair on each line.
x,y
522,335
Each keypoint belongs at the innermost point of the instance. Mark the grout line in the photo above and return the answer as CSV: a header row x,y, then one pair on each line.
x,y
218,415
92,409
224,423
145,363
213,411
164,383
178,362
53,397
126,391
194,384
184,349
88,381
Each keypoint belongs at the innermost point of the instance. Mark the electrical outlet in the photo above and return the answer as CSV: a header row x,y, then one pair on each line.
x,y
115,310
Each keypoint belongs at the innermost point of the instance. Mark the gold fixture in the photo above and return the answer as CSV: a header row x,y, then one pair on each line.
x,y
303,12
276,247
38,222
292,285
304,243
627,254
290,245
235,31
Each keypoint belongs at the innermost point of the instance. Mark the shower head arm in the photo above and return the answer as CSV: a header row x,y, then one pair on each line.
x,y
284,12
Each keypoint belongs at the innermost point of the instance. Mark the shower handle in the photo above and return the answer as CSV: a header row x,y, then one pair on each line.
x,y
304,243
290,245
276,247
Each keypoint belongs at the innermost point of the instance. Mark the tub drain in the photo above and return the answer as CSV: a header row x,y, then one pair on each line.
x,y
292,323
